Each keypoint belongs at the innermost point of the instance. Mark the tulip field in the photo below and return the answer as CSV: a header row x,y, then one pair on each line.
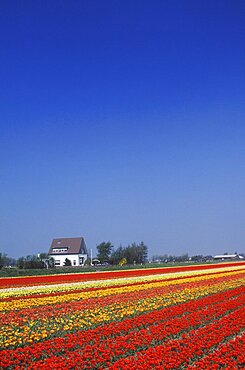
x,y
190,317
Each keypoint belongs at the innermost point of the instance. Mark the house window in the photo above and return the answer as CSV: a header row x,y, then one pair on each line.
x,y
59,250
57,262
81,259
74,262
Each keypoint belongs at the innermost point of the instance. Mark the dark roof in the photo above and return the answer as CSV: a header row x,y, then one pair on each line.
x,y
73,245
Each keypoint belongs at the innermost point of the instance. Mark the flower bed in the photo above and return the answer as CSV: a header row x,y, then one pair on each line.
x,y
186,319
61,278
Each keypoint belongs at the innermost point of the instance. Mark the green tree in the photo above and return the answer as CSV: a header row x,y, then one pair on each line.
x,y
21,262
104,251
134,254
67,262
131,254
43,256
30,262
142,253
3,258
10,261
33,262
117,255
50,262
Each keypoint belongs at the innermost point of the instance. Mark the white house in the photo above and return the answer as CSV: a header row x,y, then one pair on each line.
x,y
73,249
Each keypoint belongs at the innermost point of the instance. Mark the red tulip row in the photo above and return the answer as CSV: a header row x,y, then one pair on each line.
x,y
106,344
192,346
230,355
63,278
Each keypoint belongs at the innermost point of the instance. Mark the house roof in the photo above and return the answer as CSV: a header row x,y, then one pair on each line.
x,y
68,246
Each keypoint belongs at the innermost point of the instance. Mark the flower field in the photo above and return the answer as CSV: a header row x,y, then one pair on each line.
x,y
173,318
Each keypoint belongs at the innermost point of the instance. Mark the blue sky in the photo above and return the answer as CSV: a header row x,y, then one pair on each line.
x,y
123,121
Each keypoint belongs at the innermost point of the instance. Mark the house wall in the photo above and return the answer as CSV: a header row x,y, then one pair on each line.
x,y
76,259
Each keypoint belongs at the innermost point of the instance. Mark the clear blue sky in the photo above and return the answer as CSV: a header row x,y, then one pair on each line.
x,y
123,121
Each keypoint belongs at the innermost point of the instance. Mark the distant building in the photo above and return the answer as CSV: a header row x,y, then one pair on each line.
x,y
73,249
227,257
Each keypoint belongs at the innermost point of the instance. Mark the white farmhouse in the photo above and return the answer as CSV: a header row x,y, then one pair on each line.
x,y
73,249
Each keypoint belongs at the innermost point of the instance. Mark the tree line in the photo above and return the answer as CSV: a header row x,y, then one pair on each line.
x,y
131,254
164,258
33,261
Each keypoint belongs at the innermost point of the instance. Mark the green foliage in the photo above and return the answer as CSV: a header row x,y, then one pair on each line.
x,y
30,262
67,262
43,256
104,251
117,255
2,260
51,262
88,262
6,261
39,261
21,262
133,254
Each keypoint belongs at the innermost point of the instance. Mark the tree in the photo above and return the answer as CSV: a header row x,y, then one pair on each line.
x,y
104,251
30,262
51,262
10,261
33,262
3,257
142,253
117,255
43,256
46,260
21,262
134,253
67,262
159,258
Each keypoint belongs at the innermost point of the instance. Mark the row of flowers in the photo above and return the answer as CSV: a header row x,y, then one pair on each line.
x,y
33,324
49,299
108,343
228,355
112,294
187,349
167,321
65,288
61,278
